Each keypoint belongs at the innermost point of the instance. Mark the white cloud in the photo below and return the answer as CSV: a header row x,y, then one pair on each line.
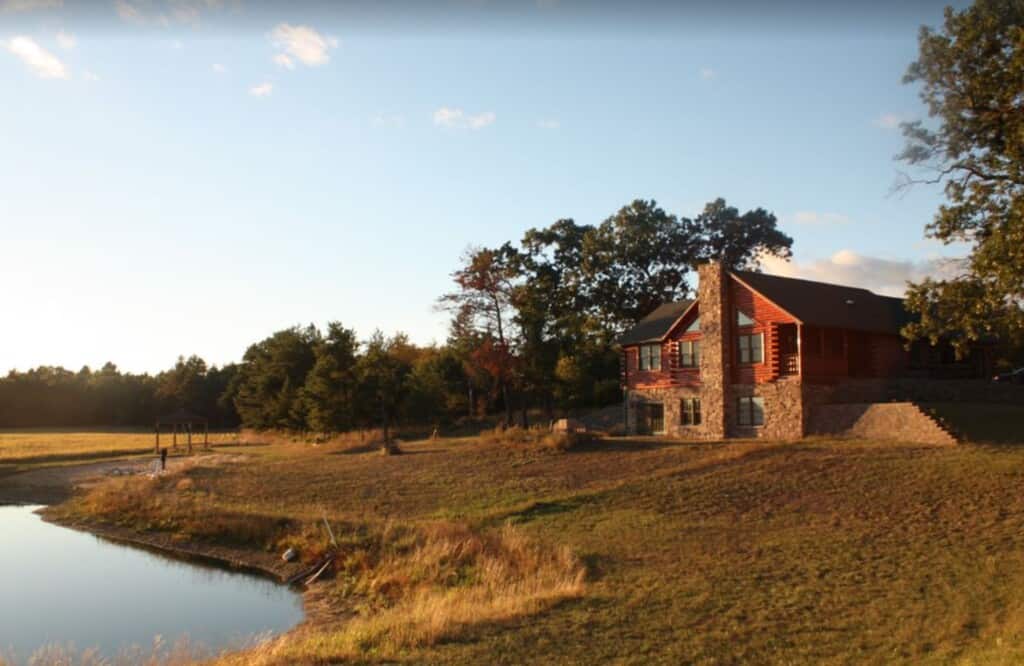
x,y
262,90
303,44
165,12
218,68
128,11
888,121
42,62
284,60
89,75
16,6
548,123
66,40
459,119
813,217
707,73
883,276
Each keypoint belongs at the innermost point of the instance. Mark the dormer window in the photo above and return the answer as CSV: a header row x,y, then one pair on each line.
x,y
743,319
650,357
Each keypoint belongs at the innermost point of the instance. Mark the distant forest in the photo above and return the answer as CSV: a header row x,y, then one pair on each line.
x,y
533,326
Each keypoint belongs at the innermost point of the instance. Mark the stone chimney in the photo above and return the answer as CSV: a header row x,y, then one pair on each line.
x,y
716,347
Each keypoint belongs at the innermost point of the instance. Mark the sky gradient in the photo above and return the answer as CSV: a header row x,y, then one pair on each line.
x,y
188,177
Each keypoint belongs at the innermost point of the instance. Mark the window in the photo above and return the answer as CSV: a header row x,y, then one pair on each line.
x,y
743,319
694,326
652,418
751,348
689,411
751,411
650,357
689,354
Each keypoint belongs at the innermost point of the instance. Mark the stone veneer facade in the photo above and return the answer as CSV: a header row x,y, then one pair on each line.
x,y
783,399
793,408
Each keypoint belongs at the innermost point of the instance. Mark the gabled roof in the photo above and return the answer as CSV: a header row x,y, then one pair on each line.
x,y
812,303
831,305
656,325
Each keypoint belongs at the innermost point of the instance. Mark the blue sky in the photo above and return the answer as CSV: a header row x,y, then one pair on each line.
x,y
187,177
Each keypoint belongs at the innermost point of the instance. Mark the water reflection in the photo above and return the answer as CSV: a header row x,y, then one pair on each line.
x,y
60,586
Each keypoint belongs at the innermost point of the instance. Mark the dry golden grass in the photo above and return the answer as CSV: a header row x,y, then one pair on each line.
x,y
38,446
183,652
405,585
539,437
819,552
449,578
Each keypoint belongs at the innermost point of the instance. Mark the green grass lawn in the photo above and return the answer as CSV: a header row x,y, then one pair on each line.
x,y
747,552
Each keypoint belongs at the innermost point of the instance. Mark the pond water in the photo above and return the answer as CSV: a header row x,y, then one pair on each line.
x,y
61,586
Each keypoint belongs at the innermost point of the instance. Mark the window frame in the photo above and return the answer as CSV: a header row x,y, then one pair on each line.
x,y
689,412
749,338
693,354
649,366
746,414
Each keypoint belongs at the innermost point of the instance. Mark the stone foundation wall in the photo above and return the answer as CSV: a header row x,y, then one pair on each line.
x,y
669,398
783,410
900,421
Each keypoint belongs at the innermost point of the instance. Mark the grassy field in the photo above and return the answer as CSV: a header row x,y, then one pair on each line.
x,y
28,446
632,551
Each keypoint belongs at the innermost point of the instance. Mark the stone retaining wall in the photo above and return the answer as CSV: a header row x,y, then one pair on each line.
x,y
900,421
914,390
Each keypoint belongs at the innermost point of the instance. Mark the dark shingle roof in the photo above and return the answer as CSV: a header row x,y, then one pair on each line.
x,y
832,305
654,326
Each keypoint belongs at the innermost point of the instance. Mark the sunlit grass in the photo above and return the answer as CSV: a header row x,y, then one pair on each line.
x,y
28,446
746,552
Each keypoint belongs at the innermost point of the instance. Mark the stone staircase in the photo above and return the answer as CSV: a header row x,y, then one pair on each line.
x,y
901,421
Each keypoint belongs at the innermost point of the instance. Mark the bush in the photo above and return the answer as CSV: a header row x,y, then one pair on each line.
x,y
536,437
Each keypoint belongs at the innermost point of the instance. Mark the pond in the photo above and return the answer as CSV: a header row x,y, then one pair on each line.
x,y
59,586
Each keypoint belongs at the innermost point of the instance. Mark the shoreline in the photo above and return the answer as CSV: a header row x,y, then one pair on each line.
x,y
252,562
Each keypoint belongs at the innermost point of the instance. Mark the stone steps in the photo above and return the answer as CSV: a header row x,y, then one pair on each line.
x,y
901,421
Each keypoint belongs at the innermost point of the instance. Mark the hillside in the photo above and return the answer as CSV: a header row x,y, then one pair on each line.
x,y
798,553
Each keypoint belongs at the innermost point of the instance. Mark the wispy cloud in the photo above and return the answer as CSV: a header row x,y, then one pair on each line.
x,y
708,73
164,12
66,40
128,11
888,121
284,60
218,68
262,90
458,119
17,6
393,120
548,123
43,63
883,276
301,43
813,217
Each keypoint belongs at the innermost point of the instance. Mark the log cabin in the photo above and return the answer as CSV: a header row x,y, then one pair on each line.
x,y
754,355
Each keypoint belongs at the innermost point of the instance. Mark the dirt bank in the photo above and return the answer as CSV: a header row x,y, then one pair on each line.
x,y
52,485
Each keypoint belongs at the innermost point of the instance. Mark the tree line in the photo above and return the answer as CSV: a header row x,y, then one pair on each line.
x,y
533,328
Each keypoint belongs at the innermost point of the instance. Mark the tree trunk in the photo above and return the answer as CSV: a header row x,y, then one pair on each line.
x,y
508,404
386,428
